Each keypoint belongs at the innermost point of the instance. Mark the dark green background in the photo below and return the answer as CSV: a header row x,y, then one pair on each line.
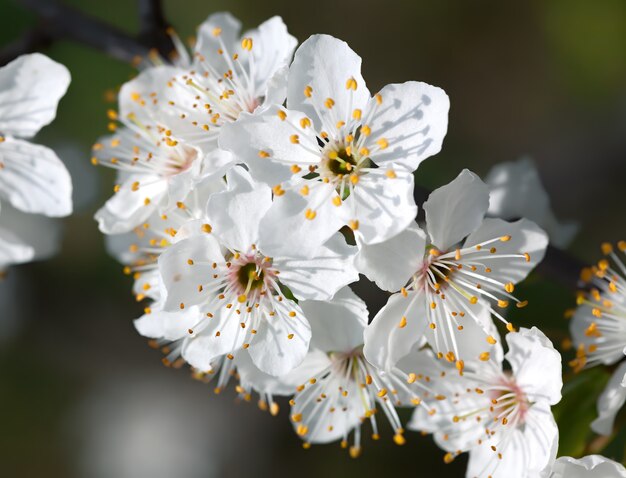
x,y
543,78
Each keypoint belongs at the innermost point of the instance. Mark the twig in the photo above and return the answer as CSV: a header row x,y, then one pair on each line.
x,y
60,22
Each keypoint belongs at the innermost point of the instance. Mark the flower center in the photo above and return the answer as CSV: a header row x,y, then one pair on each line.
x,y
249,277
509,402
340,162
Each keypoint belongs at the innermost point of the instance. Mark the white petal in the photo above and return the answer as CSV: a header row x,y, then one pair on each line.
x,y
250,375
320,275
265,143
33,179
471,341
382,206
286,229
412,119
610,402
205,346
386,340
536,365
236,214
40,233
528,452
30,89
137,96
526,237
181,279
455,210
159,324
127,209
392,263
592,466
13,250
337,325
272,50
324,426
220,29
517,191
326,64
271,350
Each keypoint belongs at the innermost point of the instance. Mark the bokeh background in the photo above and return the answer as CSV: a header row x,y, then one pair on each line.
x,y
82,395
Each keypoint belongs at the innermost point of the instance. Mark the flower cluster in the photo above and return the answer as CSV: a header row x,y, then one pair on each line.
x,y
34,184
257,180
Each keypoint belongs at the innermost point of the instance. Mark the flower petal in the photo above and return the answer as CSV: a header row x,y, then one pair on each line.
x,y
592,466
127,208
455,210
30,89
337,325
159,324
216,32
611,402
264,142
411,120
41,233
527,452
392,263
33,179
321,274
272,50
326,65
250,375
288,230
282,341
517,191
236,214
525,238
13,250
221,335
397,327
535,364
180,278
381,206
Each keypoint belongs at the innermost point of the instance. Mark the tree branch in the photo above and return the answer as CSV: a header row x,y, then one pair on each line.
x,y
60,22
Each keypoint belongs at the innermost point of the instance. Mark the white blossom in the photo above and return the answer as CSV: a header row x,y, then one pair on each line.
x,y
33,180
449,280
241,288
501,416
336,155
339,389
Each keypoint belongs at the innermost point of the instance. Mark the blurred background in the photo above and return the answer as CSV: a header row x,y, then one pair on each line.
x,y
81,393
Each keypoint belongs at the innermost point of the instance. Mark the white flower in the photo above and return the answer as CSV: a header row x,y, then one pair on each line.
x,y
32,178
242,289
450,280
598,326
502,417
229,74
155,172
339,389
336,156
517,191
592,466
140,250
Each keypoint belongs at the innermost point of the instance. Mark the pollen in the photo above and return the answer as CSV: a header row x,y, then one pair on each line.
x,y
246,44
310,214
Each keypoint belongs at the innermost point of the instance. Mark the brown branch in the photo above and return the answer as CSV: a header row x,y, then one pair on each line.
x,y
60,22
